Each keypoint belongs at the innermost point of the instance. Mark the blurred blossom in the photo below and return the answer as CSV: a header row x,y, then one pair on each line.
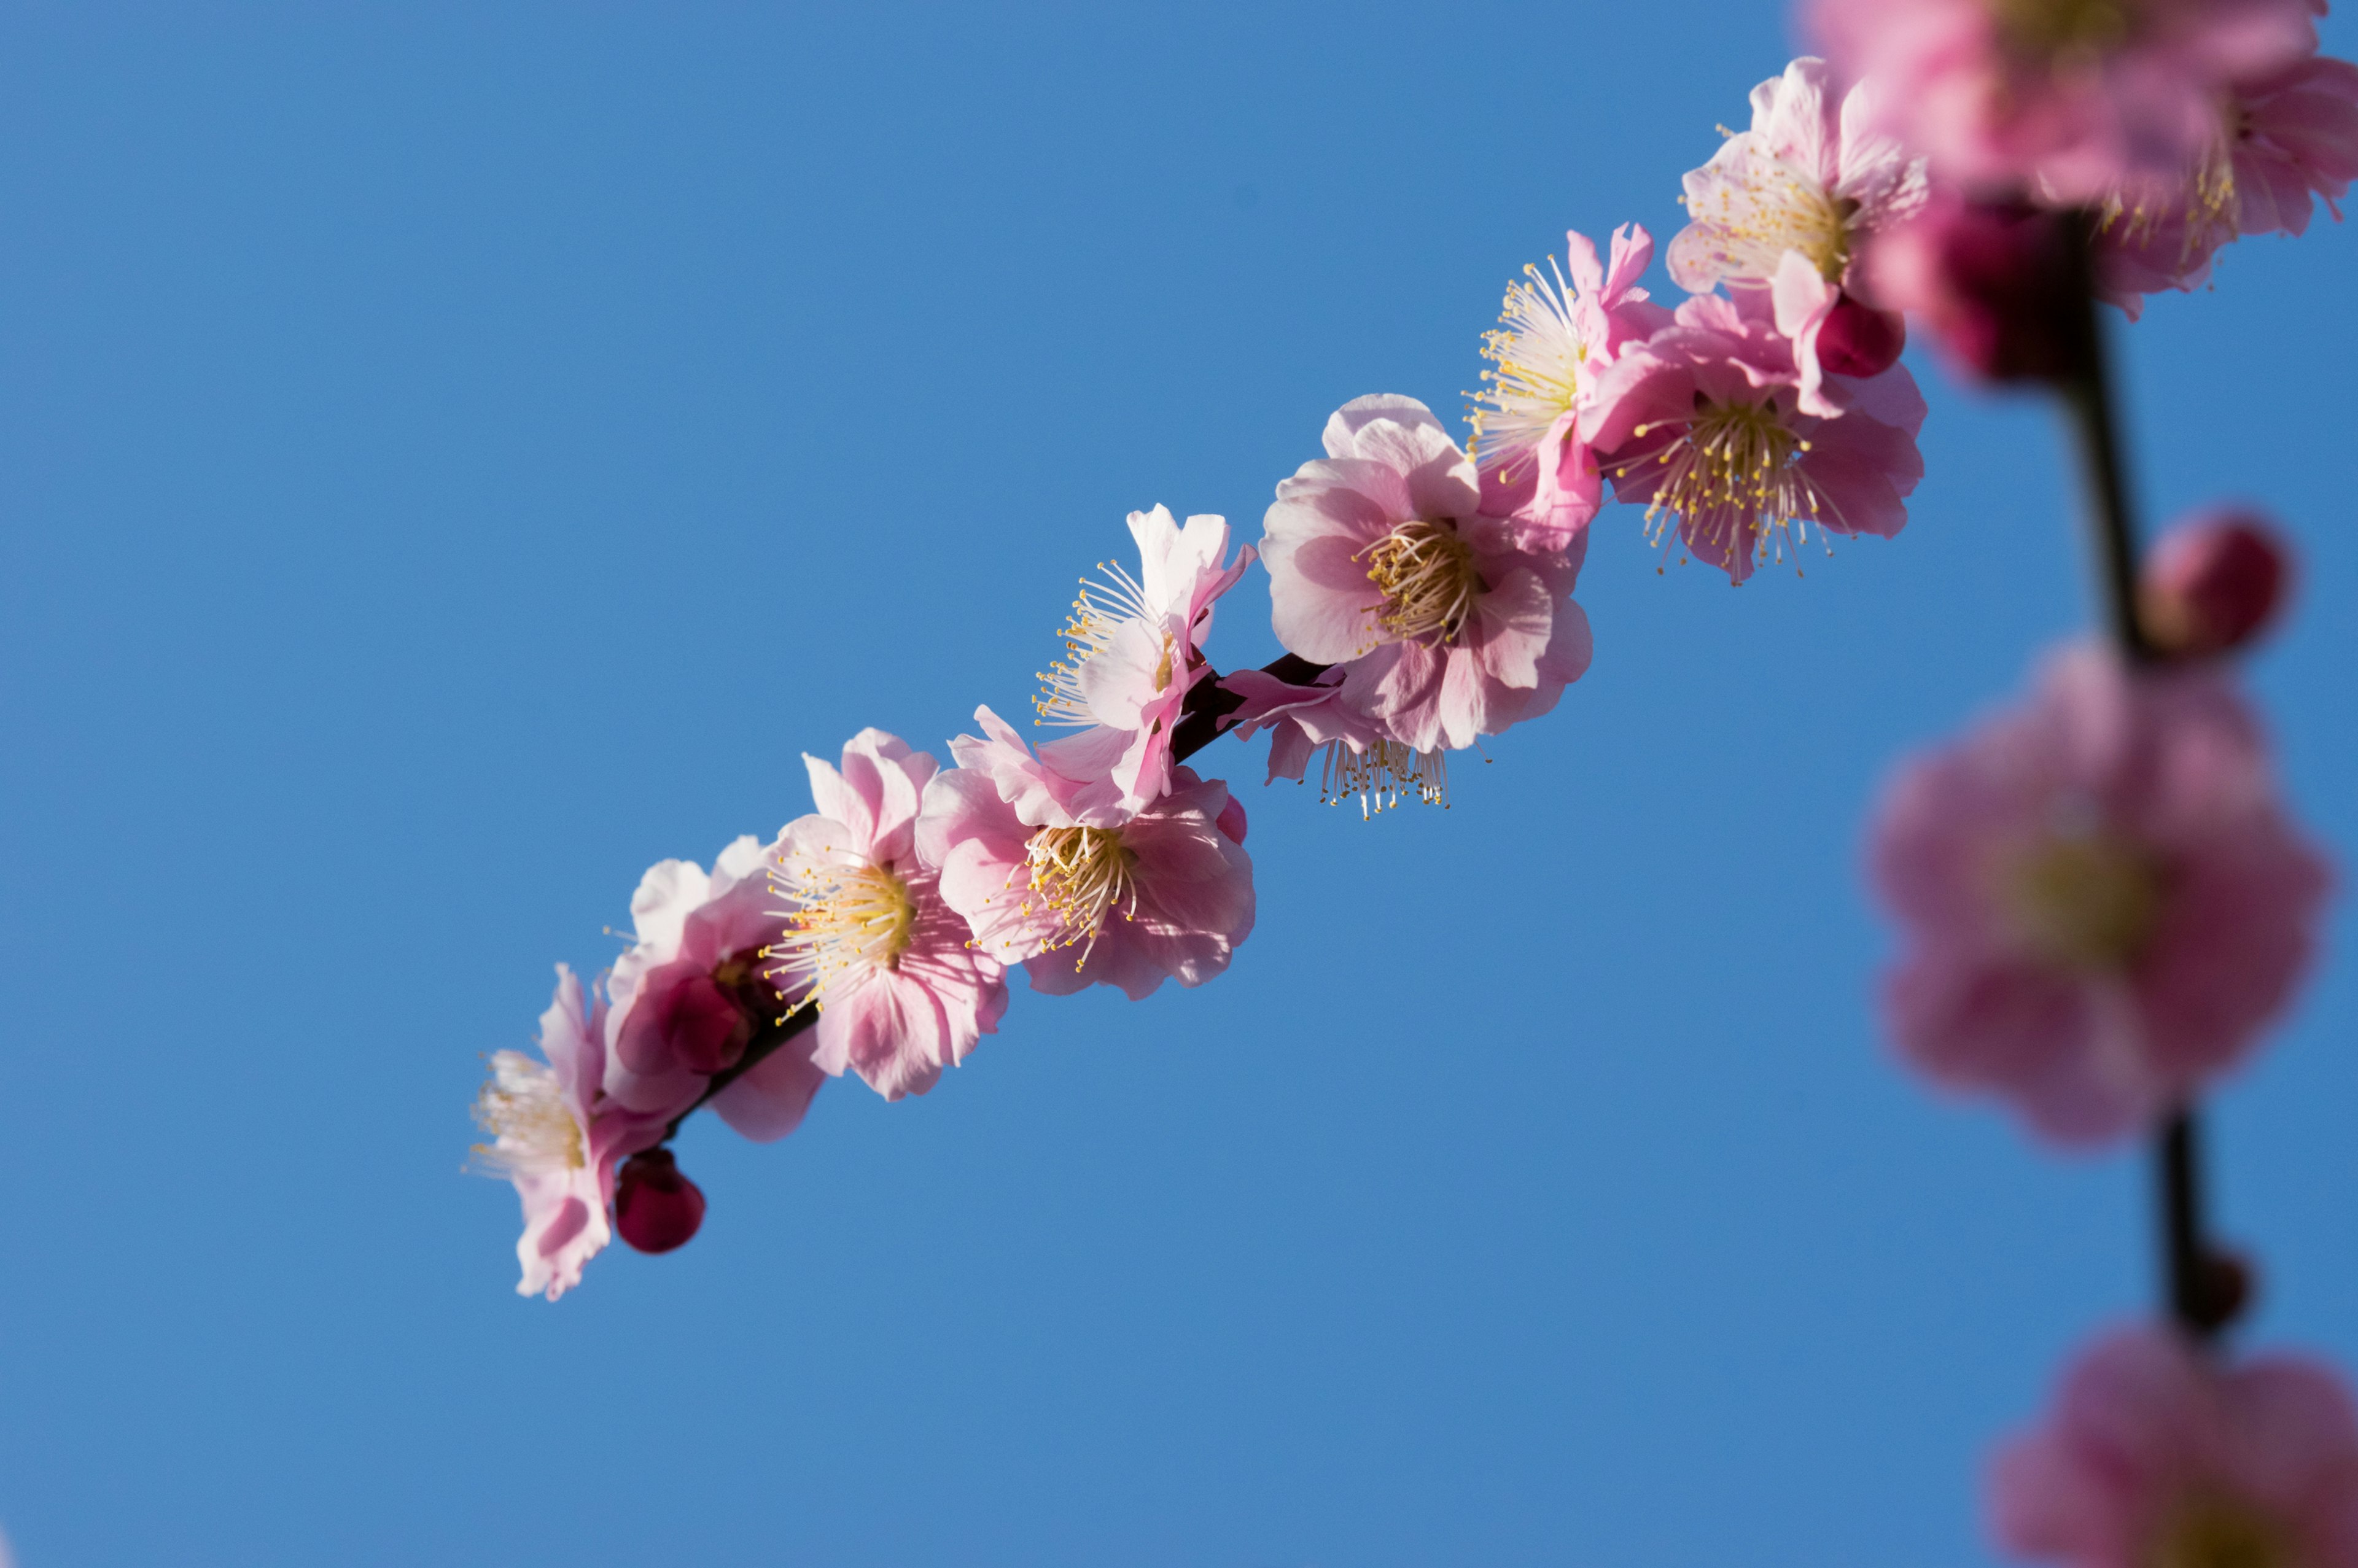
x,y
1703,423
1381,562
2213,584
1995,282
2074,98
2101,901
1128,901
2158,1455
1554,338
692,992
869,941
1134,649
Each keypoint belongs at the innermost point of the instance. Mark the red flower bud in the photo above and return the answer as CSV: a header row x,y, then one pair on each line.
x,y
1859,340
2213,584
1998,283
655,1207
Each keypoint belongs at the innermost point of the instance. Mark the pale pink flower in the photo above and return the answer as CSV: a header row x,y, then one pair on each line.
x,y
1789,205
1380,561
2283,140
1703,423
1134,649
2156,1455
1311,721
2103,901
1165,892
691,993
901,990
2072,97
552,1139
1555,338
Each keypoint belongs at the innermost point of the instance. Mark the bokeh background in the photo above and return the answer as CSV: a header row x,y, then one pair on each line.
x,y
451,456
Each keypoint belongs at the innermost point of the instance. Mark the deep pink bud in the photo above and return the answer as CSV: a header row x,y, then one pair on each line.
x,y
702,1023
2213,584
1997,282
1859,340
655,1207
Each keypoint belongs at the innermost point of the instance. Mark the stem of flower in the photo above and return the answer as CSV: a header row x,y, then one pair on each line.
x,y
2203,1289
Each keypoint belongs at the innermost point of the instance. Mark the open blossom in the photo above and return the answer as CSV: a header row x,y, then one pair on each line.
x,y
1703,423
901,990
1554,338
2104,902
552,1139
1309,722
1789,205
1382,561
1134,651
2283,140
2071,97
2156,1455
1165,892
691,994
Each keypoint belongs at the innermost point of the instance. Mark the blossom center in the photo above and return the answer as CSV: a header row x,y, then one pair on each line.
x,y
532,1129
1100,611
1537,352
849,919
2086,903
1426,574
2061,30
2216,1534
1733,474
1081,874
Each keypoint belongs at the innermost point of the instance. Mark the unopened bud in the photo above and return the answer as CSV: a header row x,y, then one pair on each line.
x,y
1999,284
2213,584
655,1207
703,1025
1859,340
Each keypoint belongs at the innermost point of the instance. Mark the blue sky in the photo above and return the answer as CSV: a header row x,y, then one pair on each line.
x,y
451,456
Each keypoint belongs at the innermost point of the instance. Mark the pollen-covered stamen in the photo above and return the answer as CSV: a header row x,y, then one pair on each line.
x,y
1081,875
1426,575
1382,776
1538,355
2084,900
1776,207
532,1129
1099,611
848,918
2062,32
2206,208
1734,479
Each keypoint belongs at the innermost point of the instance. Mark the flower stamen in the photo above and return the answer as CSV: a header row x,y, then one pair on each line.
x,y
533,1131
1426,575
847,919
1099,611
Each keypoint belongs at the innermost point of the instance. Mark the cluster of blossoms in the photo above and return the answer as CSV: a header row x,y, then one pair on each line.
x,y
2104,902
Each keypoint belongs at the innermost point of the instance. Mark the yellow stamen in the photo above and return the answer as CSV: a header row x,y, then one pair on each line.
x,y
1426,575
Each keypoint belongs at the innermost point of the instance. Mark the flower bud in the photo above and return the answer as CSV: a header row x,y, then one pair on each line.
x,y
702,1023
655,1207
1997,283
1859,340
2213,584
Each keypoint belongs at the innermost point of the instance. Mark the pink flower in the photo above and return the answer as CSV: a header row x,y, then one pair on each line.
x,y
1555,339
869,941
1313,720
1704,423
1380,561
1135,649
691,993
2158,1456
556,1143
1165,892
1813,177
2281,140
1998,283
2103,901
2071,97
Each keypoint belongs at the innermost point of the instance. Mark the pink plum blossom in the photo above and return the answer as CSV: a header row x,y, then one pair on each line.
x,y
554,1140
2156,1455
869,941
1787,206
1704,423
2103,901
2072,98
691,993
1554,338
1311,721
1165,892
1134,649
1382,561
2283,140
